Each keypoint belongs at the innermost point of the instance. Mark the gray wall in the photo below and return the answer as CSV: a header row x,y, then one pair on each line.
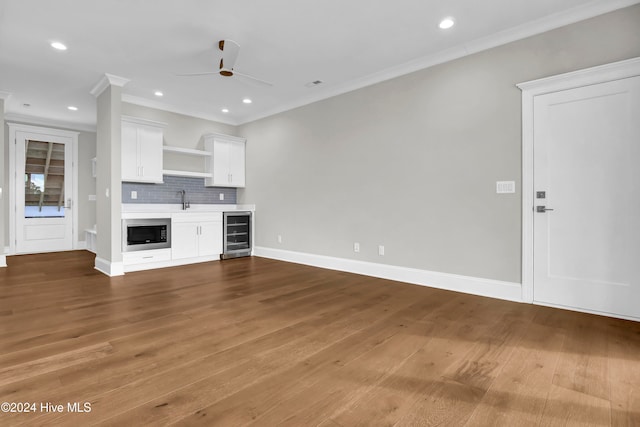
x,y
411,163
108,176
86,182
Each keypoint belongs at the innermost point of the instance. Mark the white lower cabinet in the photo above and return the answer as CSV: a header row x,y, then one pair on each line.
x,y
144,260
144,257
196,235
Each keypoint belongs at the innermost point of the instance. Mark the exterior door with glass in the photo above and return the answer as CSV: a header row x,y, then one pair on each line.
x,y
44,188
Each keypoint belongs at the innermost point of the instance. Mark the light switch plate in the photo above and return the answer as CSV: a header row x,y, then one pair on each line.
x,y
505,187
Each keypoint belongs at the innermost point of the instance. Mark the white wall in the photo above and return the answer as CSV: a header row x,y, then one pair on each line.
x,y
411,163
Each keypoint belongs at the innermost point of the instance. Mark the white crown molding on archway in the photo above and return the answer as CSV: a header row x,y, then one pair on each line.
x,y
106,81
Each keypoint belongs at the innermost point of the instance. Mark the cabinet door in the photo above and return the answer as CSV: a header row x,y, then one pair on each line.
x,y
210,239
227,163
236,164
184,240
150,153
221,163
129,152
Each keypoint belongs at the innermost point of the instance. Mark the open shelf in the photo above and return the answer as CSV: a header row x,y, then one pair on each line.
x,y
189,151
186,173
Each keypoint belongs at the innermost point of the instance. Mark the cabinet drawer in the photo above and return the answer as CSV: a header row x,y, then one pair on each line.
x,y
142,257
197,217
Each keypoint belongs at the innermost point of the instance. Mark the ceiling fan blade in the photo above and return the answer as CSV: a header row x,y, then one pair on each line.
x,y
230,50
203,73
247,76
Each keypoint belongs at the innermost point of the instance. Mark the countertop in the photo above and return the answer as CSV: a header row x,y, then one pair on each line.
x,y
165,210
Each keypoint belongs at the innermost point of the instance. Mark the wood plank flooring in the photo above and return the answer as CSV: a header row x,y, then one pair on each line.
x,y
259,342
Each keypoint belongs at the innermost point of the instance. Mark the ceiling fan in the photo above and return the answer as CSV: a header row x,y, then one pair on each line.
x,y
230,50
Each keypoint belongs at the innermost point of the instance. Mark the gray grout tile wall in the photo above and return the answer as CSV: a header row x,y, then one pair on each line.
x,y
169,192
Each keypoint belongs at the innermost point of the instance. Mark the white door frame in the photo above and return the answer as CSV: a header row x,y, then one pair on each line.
x,y
17,127
531,89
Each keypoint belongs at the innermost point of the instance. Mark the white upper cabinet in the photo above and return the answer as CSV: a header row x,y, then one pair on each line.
x,y
226,164
141,150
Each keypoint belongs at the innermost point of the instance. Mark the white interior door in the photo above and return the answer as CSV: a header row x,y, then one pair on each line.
x,y
44,188
586,234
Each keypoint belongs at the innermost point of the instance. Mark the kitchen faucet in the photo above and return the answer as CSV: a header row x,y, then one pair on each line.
x,y
183,195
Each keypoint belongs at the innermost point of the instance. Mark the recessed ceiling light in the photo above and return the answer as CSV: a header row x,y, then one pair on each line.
x,y
446,23
58,46
158,93
225,110
72,108
247,101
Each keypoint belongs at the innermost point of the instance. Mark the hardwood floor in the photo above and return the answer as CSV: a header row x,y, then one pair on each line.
x,y
259,342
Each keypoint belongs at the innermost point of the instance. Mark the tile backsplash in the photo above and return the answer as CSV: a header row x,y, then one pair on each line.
x,y
169,192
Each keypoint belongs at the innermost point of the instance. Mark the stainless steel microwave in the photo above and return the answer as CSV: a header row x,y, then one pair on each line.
x,y
145,234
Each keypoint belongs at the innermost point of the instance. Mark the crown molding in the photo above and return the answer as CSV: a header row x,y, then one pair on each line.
x,y
144,102
32,120
539,26
106,81
547,23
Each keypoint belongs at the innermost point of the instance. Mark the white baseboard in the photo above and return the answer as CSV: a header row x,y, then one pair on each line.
x,y
80,245
109,268
3,261
169,263
584,310
471,285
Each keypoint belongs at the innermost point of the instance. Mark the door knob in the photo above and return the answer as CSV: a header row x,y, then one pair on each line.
x,y
542,209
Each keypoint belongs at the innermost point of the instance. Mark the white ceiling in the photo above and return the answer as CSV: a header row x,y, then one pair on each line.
x,y
346,44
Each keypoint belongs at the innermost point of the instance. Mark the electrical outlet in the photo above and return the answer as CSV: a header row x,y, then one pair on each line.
x,y
356,247
134,195
221,196
380,250
279,238
92,197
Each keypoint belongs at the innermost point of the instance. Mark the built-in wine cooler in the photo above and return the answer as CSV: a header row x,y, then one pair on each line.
x,y
237,235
